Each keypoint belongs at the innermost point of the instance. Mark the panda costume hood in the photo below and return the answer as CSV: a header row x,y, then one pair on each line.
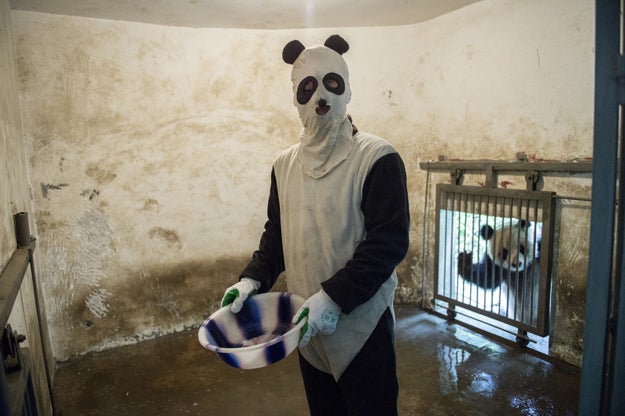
x,y
321,93
321,188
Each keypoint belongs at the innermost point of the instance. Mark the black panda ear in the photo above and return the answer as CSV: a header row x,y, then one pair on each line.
x,y
337,43
523,224
487,232
291,51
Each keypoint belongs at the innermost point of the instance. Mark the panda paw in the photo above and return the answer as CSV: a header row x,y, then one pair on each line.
x,y
465,262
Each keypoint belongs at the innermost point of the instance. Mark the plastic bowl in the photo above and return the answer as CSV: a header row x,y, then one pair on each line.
x,y
259,335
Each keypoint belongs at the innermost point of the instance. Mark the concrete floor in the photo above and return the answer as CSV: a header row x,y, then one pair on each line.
x,y
443,369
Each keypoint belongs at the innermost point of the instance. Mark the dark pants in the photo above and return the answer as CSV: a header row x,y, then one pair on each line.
x,y
368,387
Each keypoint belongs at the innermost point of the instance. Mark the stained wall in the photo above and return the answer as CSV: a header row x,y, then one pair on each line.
x,y
16,196
150,147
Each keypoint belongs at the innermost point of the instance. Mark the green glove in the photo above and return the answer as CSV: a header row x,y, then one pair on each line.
x,y
239,292
322,316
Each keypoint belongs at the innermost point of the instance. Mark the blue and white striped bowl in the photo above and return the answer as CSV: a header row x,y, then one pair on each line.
x,y
259,335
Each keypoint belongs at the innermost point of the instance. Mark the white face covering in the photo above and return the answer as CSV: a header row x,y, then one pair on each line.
x,y
321,86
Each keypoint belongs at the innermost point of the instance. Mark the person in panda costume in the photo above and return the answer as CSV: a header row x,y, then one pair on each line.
x,y
338,223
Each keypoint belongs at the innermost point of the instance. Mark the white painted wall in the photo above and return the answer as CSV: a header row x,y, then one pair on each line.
x,y
151,146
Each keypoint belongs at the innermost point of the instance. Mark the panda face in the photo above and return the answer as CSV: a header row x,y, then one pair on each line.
x,y
511,247
332,82
321,87
321,93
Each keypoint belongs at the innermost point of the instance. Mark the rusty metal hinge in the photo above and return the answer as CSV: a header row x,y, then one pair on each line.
x,y
457,177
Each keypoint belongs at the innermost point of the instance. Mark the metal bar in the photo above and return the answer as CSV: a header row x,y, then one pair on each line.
x,y
534,289
516,334
473,166
616,376
10,282
20,387
617,402
4,394
26,241
475,249
437,245
616,349
424,242
492,315
572,198
544,293
605,145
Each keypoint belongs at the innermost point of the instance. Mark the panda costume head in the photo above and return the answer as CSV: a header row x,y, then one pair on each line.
x,y
510,252
321,93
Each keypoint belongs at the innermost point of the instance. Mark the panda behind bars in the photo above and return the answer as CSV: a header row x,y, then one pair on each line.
x,y
510,252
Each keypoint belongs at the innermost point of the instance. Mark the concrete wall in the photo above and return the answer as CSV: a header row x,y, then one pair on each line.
x,y
16,197
151,146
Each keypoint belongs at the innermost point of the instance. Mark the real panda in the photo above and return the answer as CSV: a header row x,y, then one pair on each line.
x,y
510,252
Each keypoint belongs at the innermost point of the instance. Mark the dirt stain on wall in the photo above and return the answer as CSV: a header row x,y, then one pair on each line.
x,y
151,302
101,176
167,235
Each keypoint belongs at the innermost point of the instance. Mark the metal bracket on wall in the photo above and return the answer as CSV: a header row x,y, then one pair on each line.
x,y
10,350
491,177
457,177
533,181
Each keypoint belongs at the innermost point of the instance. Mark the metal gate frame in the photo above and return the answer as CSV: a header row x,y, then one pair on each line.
x,y
496,198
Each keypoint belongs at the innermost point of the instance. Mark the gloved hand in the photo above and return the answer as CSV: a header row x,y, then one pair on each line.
x,y
239,292
322,314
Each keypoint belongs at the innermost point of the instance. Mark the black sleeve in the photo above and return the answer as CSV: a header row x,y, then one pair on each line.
x,y
387,221
268,261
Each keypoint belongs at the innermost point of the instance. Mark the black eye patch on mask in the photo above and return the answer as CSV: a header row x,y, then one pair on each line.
x,y
306,89
334,83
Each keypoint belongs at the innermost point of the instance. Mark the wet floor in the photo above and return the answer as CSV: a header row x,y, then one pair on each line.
x,y
443,369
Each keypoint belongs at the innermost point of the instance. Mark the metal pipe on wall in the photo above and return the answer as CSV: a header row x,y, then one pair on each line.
x,y
13,390
25,240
